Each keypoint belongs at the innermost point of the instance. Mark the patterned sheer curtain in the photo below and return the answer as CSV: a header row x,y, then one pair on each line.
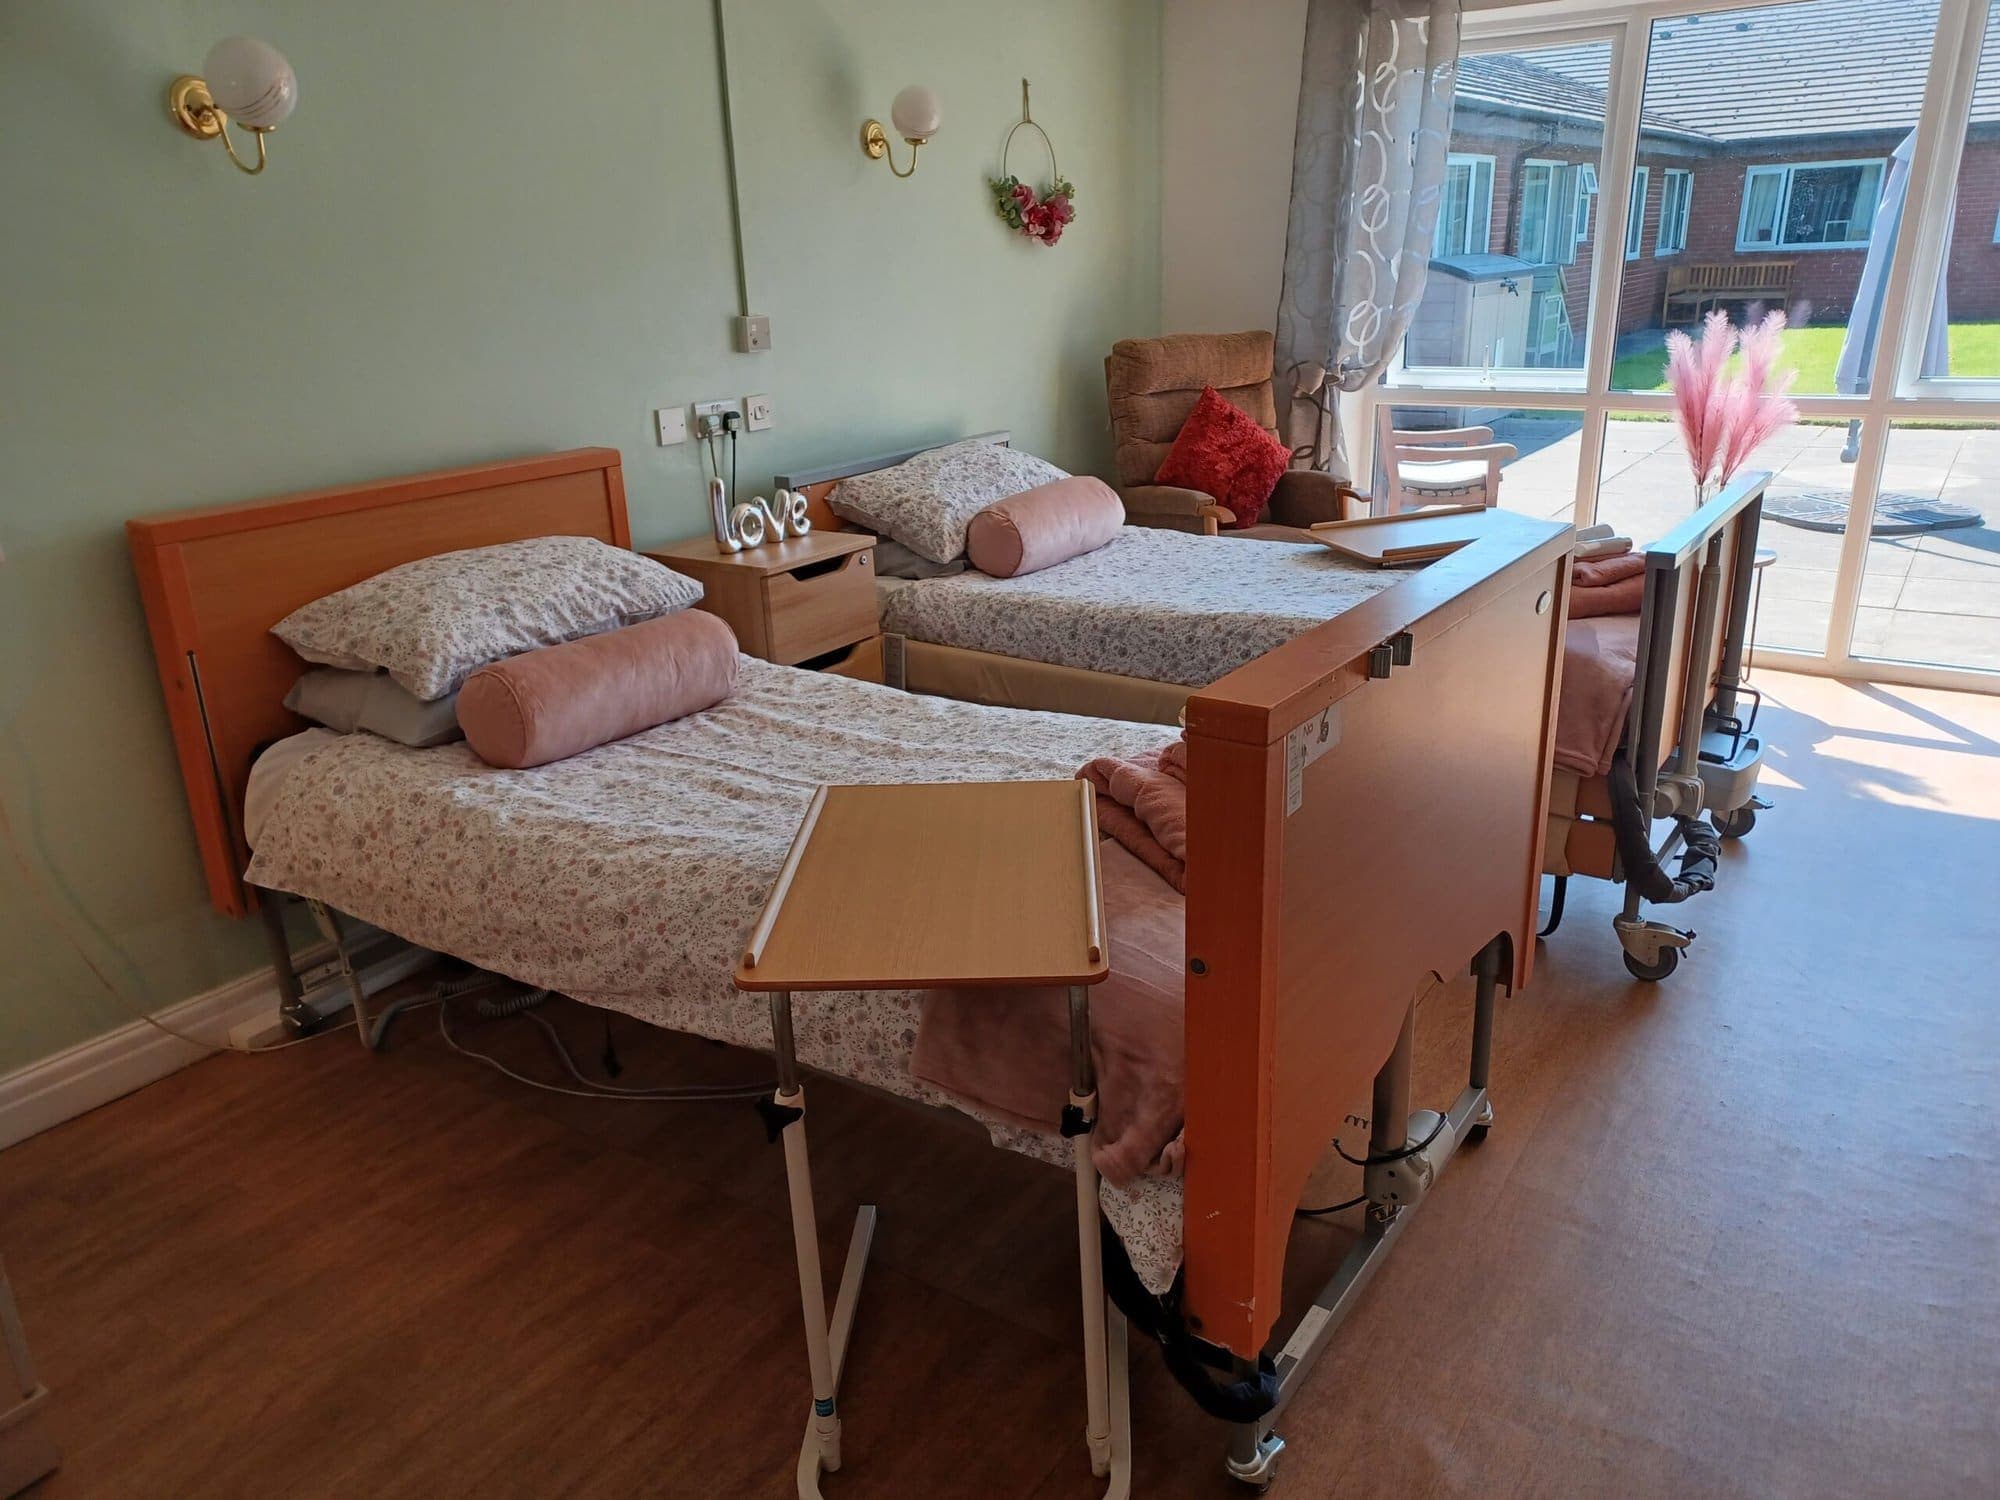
x,y
1368,162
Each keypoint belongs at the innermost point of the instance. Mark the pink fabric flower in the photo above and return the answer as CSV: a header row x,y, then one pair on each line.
x,y
1059,207
1024,196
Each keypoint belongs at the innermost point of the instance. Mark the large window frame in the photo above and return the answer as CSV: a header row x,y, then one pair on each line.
x,y
1787,175
1898,392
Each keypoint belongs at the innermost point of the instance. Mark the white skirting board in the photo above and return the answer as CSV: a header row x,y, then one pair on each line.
x,y
95,1072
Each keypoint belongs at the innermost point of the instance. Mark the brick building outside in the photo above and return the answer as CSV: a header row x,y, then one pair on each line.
x,y
1764,139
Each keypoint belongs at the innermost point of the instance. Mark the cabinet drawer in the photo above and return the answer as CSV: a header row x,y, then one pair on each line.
x,y
814,609
861,661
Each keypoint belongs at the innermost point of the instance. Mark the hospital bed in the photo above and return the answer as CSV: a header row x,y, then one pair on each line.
x,y
1329,798
1134,629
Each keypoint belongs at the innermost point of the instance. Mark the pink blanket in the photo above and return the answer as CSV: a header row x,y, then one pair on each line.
x,y
1600,657
1006,1051
1621,598
1142,803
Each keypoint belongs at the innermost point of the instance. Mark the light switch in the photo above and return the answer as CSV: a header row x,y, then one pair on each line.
x,y
757,413
671,423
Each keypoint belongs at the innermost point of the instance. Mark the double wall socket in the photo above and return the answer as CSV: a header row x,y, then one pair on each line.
x,y
708,415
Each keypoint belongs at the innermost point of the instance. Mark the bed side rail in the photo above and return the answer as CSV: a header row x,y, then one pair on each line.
x,y
1693,639
1366,810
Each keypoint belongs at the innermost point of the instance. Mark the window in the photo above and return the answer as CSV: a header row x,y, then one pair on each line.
x,y
1550,214
1676,195
1635,223
1586,195
1465,212
1810,206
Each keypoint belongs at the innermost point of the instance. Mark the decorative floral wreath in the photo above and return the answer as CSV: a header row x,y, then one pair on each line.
x,y
1039,217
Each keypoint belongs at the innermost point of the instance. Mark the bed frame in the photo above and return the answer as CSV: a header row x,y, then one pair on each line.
x,y
1366,812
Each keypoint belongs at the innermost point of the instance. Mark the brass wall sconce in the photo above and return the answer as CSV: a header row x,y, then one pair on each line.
x,y
916,116
241,78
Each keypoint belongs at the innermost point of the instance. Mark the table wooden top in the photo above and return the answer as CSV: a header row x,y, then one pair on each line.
x,y
955,883
773,557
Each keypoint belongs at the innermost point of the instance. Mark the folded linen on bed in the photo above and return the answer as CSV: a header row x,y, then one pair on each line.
x,y
1006,1051
1142,804
1600,658
1606,568
1621,598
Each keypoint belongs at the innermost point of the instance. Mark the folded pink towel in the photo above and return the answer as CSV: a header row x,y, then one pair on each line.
x,y
1596,572
1006,1051
1142,803
1621,598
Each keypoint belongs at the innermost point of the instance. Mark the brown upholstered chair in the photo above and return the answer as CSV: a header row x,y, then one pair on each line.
x,y
1153,385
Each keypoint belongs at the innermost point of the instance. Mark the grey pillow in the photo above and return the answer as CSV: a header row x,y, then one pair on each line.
x,y
374,701
894,560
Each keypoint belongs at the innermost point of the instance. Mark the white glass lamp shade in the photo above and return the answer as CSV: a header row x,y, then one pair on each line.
x,y
250,82
915,113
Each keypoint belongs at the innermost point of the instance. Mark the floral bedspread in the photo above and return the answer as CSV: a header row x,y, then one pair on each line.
x,y
1167,606
629,876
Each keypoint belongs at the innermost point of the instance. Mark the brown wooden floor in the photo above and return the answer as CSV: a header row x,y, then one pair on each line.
x,y
1735,1235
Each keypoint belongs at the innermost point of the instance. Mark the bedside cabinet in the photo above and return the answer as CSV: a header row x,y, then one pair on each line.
x,y
807,601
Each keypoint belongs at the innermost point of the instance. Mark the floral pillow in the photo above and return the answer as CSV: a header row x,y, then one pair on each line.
x,y
927,502
433,622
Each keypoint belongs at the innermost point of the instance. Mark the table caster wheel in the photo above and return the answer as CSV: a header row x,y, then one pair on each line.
x,y
1481,1123
1258,1472
1654,972
1735,823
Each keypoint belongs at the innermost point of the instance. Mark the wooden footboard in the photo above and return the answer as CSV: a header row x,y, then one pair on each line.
x,y
1349,836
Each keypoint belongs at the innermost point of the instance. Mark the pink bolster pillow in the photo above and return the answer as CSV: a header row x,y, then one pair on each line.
x,y
1041,527
559,701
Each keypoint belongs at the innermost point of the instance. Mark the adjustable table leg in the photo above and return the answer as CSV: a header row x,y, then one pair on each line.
x,y
1110,1452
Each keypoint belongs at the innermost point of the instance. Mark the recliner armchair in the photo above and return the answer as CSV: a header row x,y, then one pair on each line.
x,y
1153,384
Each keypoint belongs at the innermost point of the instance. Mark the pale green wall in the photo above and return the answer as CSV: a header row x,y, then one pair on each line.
x,y
489,229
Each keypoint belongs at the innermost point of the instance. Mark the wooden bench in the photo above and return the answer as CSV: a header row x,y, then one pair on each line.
x,y
1692,290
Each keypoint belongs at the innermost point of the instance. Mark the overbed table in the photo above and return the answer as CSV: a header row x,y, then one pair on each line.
x,y
928,886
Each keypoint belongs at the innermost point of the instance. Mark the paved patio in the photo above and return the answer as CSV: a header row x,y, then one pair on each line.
x,y
1928,598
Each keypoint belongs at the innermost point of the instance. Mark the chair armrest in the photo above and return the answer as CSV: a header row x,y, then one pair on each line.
x,y
1174,508
1305,497
1473,453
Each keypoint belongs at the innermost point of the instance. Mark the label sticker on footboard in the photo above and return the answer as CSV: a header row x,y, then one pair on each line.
x,y
1304,745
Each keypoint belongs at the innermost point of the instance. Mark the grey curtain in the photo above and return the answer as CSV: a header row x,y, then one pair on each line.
x,y
1368,161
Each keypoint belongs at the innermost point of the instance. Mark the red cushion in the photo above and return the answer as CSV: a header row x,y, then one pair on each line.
x,y
1221,451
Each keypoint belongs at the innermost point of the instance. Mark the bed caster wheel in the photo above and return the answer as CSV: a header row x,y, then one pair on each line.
x,y
1481,1123
1735,823
1658,969
1260,1471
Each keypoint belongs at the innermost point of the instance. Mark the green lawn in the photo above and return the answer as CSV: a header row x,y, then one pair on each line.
x,y
1975,351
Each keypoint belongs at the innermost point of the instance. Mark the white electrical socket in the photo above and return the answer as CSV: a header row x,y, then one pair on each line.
x,y
671,423
757,413
708,415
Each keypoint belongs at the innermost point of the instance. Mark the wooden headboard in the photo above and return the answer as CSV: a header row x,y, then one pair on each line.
x,y
216,580
817,484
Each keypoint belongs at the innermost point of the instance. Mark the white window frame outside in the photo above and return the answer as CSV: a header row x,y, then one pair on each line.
x,y
1635,227
1586,199
1477,164
1899,393
1663,244
1788,173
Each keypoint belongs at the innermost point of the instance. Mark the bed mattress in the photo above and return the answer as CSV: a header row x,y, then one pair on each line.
x,y
1164,605
628,877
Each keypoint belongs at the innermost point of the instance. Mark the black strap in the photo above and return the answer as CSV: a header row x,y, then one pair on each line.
x,y
1190,1360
